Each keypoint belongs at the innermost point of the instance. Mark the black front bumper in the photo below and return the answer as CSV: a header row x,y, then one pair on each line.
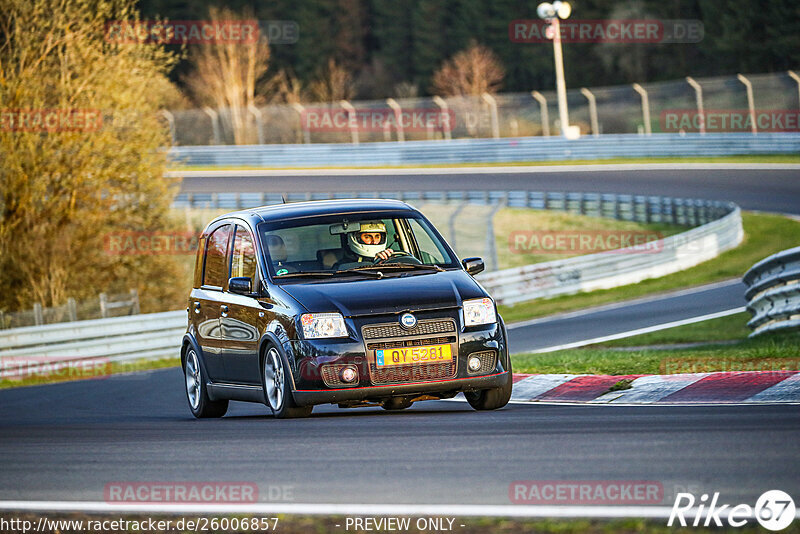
x,y
308,397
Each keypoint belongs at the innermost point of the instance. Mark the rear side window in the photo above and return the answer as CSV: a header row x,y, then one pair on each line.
x,y
216,271
198,266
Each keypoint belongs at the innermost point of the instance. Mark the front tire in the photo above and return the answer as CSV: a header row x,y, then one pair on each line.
x,y
491,399
196,392
277,389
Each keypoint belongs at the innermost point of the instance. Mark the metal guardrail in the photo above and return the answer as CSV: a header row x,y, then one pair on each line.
x,y
619,267
773,293
504,150
147,336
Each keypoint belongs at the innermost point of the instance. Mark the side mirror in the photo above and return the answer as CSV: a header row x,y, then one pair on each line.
x,y
241,285
473,265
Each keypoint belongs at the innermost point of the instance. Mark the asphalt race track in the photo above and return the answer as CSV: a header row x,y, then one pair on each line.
x,y
614,319
67,441
771,189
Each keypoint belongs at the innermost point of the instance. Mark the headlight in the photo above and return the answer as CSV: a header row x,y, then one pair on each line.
x,y
318,325
479,311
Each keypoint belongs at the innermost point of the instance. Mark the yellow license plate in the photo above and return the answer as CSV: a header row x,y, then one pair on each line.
x,y
413,355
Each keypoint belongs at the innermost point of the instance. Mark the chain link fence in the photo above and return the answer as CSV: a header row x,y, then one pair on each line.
x,y
619,109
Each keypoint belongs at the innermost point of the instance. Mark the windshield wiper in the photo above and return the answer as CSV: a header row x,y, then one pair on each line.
x,y
304,273
324,274
398,265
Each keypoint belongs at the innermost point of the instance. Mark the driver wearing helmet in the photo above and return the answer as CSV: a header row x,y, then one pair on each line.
x,y
367,244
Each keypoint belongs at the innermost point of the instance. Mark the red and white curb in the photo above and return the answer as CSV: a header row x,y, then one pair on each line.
x,y
749,387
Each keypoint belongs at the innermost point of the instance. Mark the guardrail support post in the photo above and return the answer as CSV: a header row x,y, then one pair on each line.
x,y
2,320
492,101
750,102
698,92
351,112
398,117
38,316
645,108
259,117
214,124
301,113
543,110
439,101
592,110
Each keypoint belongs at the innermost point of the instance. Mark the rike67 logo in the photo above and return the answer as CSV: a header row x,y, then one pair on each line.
x,y
774,510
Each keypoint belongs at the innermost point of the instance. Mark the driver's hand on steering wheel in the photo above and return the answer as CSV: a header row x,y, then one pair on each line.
x,y
384,254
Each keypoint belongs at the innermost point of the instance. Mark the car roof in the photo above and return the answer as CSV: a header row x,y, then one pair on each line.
x,y
313,208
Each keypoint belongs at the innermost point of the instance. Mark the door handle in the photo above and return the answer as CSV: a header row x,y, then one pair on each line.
x,y
224,310
197,306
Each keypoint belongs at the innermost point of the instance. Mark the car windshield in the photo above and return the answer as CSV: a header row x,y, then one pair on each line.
x,y
346,245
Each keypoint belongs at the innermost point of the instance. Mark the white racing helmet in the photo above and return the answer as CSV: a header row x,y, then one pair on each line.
x,y
361,248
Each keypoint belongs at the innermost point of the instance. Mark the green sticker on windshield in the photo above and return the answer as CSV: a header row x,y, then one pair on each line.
x,y
282,271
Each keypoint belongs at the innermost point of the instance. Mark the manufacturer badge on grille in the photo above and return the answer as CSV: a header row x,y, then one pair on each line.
x,y
407,320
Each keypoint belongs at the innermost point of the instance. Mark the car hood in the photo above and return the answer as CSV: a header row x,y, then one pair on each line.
x,y
393,294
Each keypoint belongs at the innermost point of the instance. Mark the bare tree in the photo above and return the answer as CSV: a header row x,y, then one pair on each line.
x,y
471,72
333,83
225,75
284,88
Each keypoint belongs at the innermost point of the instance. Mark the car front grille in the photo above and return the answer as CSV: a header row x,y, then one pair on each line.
x,y
425,327
412,373
392,335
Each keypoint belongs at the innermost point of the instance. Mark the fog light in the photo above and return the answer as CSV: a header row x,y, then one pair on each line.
x,y
474,363
349,374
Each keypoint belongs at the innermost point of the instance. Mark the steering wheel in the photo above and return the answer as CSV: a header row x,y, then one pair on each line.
x,y
398,256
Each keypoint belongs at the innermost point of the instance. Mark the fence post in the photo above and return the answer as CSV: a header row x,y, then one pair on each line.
x,y
698,92
491,243
398,117
38,316
750,102
492,101
301,112
259,116
351,111
645,108
103,306
439,101
543,109
796,78
135,302
592,110
2,319
214,124
72,309
171,120
452,224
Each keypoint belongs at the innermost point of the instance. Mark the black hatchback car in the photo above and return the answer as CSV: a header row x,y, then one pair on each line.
x,y
351,302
